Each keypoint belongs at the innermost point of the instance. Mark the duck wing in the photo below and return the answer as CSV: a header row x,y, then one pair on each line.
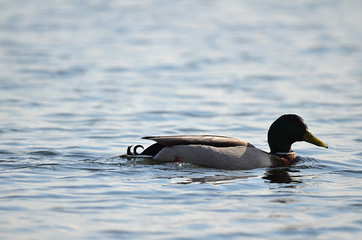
x,y
209,140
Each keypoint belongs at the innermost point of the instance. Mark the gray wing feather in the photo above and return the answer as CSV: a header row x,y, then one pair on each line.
x,y
210,140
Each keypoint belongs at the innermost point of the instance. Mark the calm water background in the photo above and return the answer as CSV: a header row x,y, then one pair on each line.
x,y
82,80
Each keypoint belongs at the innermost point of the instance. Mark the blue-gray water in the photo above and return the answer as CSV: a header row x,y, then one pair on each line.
x,y
82,80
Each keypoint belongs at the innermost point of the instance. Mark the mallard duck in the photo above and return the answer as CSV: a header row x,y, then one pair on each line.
x,y
231,153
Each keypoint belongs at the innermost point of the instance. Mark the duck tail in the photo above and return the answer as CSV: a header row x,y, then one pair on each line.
x,y
150,152
132,151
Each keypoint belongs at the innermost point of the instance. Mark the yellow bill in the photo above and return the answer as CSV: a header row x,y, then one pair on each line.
x,y
309,137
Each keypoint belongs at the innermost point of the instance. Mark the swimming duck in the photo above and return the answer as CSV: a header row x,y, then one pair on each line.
x,y
231,153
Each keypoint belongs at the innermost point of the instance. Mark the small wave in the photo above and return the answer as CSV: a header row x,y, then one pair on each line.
x,y
308,162
43,153
349,173
5,152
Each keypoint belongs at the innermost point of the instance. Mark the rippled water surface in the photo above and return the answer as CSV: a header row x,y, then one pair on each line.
x,y
82,80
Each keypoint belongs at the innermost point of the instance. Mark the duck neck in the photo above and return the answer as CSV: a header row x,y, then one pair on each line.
x,y
283,151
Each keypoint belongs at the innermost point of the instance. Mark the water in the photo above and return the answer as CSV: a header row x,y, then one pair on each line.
x,y
82,80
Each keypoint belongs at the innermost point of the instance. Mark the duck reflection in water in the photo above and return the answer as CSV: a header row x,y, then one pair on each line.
x,y
280,175
216,179
273,175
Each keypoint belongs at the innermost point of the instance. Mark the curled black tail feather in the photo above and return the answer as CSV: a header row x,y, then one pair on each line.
x,y
134,153
151,151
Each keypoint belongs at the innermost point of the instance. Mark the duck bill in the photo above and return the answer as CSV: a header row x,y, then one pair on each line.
x,y
309,137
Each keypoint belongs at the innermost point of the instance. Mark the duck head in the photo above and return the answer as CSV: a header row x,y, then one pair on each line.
x,y
288,129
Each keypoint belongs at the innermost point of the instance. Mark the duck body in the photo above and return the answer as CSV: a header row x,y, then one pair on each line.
x,y
231,153
211,151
